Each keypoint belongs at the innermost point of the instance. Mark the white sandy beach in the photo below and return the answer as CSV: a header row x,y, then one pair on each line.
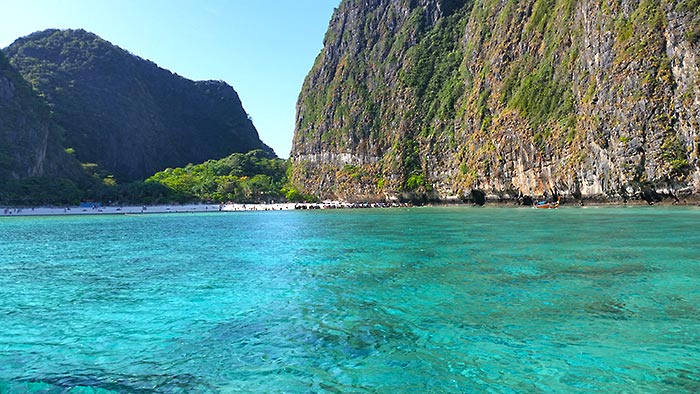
x,y
107,210
140,209
185,208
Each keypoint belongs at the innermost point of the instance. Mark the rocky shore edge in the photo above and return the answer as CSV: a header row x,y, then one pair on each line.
x,y
479,197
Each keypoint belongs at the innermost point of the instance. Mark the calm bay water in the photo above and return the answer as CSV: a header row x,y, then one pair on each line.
x,y
391,301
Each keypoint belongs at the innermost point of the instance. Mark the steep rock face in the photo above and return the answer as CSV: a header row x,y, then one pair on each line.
x,y
29,140
437,98
127,114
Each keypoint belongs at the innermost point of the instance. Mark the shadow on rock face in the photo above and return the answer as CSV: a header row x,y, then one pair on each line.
x,y
478,197
650,196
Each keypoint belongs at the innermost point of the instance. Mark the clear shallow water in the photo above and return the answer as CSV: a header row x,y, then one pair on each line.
x,y
402,300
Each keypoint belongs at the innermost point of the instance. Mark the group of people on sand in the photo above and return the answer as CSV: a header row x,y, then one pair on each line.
x,y
10,211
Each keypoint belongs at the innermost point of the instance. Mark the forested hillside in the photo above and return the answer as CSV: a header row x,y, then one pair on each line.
x,y
126,114
241,177
84,120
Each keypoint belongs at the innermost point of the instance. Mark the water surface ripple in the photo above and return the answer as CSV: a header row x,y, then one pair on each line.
x,y
439,300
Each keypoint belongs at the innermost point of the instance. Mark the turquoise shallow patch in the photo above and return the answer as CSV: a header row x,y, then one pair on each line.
x,y
399,300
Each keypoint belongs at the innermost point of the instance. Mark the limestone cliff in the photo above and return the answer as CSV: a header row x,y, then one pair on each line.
x,y
436,98
29,140
125,113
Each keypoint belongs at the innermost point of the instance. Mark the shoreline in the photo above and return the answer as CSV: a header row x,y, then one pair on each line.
x,y
107,210
239,207
184,208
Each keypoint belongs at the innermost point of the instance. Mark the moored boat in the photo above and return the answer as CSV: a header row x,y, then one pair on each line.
x,y
547,204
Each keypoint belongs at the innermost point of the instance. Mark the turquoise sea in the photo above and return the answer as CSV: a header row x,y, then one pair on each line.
x,y
419,300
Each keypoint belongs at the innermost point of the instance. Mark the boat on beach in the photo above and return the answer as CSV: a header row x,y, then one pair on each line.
x,y
547,204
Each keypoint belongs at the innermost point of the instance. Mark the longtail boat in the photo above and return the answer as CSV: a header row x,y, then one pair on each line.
x,y
547,204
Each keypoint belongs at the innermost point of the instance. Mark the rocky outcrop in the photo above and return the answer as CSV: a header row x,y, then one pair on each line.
x,y
126,114
434,99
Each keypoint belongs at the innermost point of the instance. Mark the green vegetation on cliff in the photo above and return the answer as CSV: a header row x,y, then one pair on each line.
x,y
30,145
433,99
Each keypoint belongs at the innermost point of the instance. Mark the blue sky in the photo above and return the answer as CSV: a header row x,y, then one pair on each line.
x,y
264,49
